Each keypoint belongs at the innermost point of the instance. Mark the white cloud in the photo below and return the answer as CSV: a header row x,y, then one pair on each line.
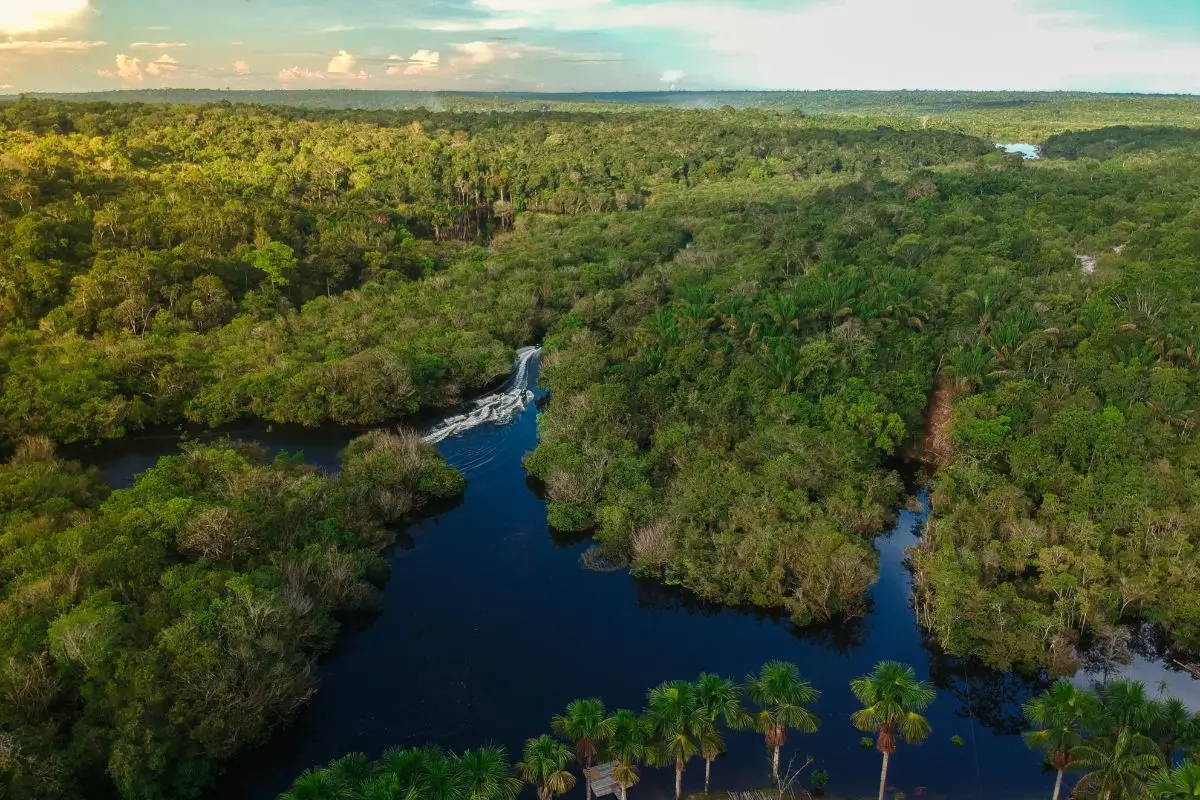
x,y
128,69
162,66
241,67
478,53
672,76
465,26
5,85
884,44
342,66
51,46
132,70
421,62
158,45
33,16
290,75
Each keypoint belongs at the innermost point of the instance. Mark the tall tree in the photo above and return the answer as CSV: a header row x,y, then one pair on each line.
x,y
585,724
1058,716
544,765
1126,706
487,774
1117,767
892,699
276,260
676,724
783,699
626,744
721,700
1172,726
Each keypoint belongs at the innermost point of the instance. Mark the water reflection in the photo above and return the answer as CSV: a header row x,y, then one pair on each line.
x,y
992,699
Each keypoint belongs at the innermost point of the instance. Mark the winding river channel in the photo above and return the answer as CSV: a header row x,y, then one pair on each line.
x,y
489,626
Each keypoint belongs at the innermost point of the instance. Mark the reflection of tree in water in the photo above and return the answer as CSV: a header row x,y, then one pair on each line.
x,y
537,488
841,636
993,698
1106,655
565,540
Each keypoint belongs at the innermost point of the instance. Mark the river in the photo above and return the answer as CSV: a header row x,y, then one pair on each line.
x,y
490,626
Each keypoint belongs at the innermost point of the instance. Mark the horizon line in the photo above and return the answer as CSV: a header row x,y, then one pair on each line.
x,y
577,92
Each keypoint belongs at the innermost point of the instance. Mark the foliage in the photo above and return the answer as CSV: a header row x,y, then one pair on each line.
x,y
892,699
783,699
545,767
1119,738
744,309
149,634
430,773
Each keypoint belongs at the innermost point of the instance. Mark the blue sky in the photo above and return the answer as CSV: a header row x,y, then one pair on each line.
x,y
591,45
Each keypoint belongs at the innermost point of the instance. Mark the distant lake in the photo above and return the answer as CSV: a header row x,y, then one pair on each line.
x,y
490,626
1026,150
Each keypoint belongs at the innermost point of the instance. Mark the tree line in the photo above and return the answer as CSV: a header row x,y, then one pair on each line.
x,y
1118,742
1122,742
682,721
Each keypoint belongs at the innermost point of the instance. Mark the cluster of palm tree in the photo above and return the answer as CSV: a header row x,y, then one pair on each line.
x,y
682,720
424,773
1123,742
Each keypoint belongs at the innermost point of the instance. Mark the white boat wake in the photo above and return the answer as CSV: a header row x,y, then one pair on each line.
x,y
499,408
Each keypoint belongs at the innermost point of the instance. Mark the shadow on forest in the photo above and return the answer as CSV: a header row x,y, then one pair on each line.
x,y
1105,143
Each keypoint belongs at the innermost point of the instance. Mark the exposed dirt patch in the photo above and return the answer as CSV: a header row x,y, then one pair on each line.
x,y
936,447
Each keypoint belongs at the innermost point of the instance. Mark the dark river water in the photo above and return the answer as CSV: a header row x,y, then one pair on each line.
x,y
490,626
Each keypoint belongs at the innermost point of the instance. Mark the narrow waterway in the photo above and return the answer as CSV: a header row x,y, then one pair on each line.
x,y
489,627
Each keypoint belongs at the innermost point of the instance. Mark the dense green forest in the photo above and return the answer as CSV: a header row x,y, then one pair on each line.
x,y
1015,115
151,632
752,317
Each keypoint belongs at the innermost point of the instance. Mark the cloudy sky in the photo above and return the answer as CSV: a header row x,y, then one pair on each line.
x,y
591,45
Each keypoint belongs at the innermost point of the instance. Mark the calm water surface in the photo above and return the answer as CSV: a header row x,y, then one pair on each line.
x,y
489,626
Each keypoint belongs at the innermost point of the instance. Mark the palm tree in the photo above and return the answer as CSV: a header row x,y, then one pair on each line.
x,y
1057,716
1126,706
783,698
407,766
350,771
1172,727
487,775
891,697
721,700
1181,783
711,747
442,777
1117,766
676,724
313,785
381,787
586,725
545,767
626,744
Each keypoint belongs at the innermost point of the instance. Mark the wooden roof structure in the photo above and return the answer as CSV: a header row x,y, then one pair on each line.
x,y
601,779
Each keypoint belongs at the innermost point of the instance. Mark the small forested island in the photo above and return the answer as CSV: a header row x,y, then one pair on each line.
x,y
765,324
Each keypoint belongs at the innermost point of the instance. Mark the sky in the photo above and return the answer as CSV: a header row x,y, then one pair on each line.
x,y
601,45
